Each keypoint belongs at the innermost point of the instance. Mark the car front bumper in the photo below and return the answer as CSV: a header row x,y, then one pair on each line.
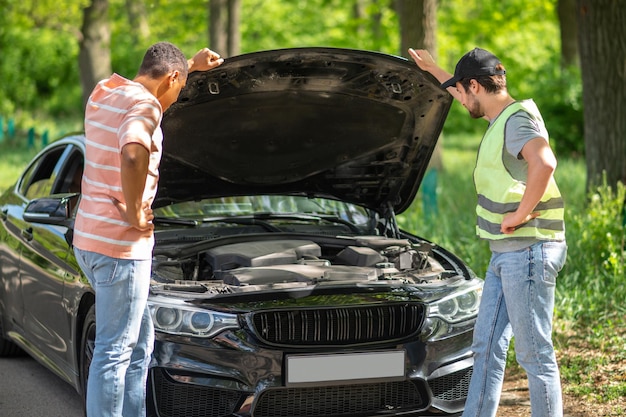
x,y
228,377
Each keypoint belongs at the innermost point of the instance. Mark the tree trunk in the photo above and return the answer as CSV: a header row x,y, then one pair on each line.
x,y
418,25
602,35
218,40
359,14
569,32
139,27
94,57
377,22
224,34
234,36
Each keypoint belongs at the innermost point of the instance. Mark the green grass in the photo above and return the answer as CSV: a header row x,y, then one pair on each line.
x,y
14,155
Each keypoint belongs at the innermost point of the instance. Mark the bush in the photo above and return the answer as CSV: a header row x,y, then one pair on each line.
x,y
559,98
592,283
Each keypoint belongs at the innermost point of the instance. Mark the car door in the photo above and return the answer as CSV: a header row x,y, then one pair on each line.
x,y
43,269
11,303
12,236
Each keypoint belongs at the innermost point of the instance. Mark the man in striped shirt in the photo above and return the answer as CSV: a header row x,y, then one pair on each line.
x,y
113,235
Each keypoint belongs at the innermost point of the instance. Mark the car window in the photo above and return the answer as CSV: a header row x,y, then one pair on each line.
x,y
40,176
276,204
69,180
57,171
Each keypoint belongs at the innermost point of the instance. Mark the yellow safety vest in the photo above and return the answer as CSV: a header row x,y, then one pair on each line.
x,y
499,193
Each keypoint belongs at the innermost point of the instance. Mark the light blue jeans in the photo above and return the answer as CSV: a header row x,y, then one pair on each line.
x,y
124,335
518,299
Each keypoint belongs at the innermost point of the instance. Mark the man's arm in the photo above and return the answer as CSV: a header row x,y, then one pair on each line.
x,y
425,61
205,59
135,159
541,165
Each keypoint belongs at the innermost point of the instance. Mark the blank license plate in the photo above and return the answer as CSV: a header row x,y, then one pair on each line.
x,y
304,369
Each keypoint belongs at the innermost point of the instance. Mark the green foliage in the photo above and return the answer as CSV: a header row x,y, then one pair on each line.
x,y
264,25
559,96
38,66
15,156
592,286
274,24
183,22
39,44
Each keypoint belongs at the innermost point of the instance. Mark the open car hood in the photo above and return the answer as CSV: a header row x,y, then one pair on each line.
x,y
352,125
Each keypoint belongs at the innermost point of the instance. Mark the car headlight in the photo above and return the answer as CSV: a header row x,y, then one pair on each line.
x,y
454,314
170,316
457,307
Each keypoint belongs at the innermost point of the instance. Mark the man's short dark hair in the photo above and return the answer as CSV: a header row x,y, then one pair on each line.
x,y
161,59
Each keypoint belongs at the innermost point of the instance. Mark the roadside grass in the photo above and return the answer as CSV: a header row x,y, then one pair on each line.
x,y
590,324
14,156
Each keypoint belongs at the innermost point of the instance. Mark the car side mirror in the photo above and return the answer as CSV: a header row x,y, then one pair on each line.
x,y
54,210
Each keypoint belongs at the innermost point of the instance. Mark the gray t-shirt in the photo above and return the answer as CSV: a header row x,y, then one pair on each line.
x,y
519,129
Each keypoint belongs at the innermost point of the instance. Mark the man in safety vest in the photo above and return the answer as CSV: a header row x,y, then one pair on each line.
x,y
520,214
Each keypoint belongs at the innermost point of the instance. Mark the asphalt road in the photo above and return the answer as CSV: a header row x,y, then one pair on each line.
x,y
27,389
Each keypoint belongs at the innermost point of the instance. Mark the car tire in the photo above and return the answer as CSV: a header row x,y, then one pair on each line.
x,y
8,348
87,345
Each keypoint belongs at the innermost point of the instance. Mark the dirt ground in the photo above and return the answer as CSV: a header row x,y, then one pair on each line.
x,y
515,401
602,370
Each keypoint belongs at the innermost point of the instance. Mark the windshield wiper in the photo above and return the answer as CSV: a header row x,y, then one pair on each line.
x,y
308,217
244,221
176,221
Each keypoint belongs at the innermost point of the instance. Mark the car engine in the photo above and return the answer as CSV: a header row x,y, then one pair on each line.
x,y
253,265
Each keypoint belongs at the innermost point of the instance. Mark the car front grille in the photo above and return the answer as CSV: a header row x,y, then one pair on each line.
x,y
451,387
341,400
338,326
176,399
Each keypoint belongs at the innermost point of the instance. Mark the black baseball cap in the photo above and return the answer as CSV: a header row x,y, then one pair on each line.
x,y
473,64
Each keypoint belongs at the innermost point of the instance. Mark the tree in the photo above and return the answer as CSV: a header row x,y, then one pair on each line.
x,y
566,10
224,36
140,29
418,25
94,58
602,36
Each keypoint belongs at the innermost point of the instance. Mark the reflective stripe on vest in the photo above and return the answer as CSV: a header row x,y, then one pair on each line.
x,y
499,193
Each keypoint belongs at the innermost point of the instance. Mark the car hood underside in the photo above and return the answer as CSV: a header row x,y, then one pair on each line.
x,y
351,125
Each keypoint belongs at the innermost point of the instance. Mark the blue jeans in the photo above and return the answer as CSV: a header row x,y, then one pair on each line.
x,y
518,299
124,335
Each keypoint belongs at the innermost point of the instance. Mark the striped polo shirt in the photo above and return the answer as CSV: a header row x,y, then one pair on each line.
x,y
119,111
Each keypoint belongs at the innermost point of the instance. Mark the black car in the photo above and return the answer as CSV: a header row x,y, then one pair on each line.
x,y
282,285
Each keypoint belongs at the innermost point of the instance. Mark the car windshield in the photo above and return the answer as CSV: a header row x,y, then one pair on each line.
x,y
266,205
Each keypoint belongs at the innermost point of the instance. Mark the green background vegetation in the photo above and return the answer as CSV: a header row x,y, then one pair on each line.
x,y
39,50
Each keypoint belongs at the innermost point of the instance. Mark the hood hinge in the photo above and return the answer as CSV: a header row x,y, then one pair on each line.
x,y
387,224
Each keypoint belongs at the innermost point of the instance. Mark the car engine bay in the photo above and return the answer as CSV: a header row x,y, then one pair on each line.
x,y
252,265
